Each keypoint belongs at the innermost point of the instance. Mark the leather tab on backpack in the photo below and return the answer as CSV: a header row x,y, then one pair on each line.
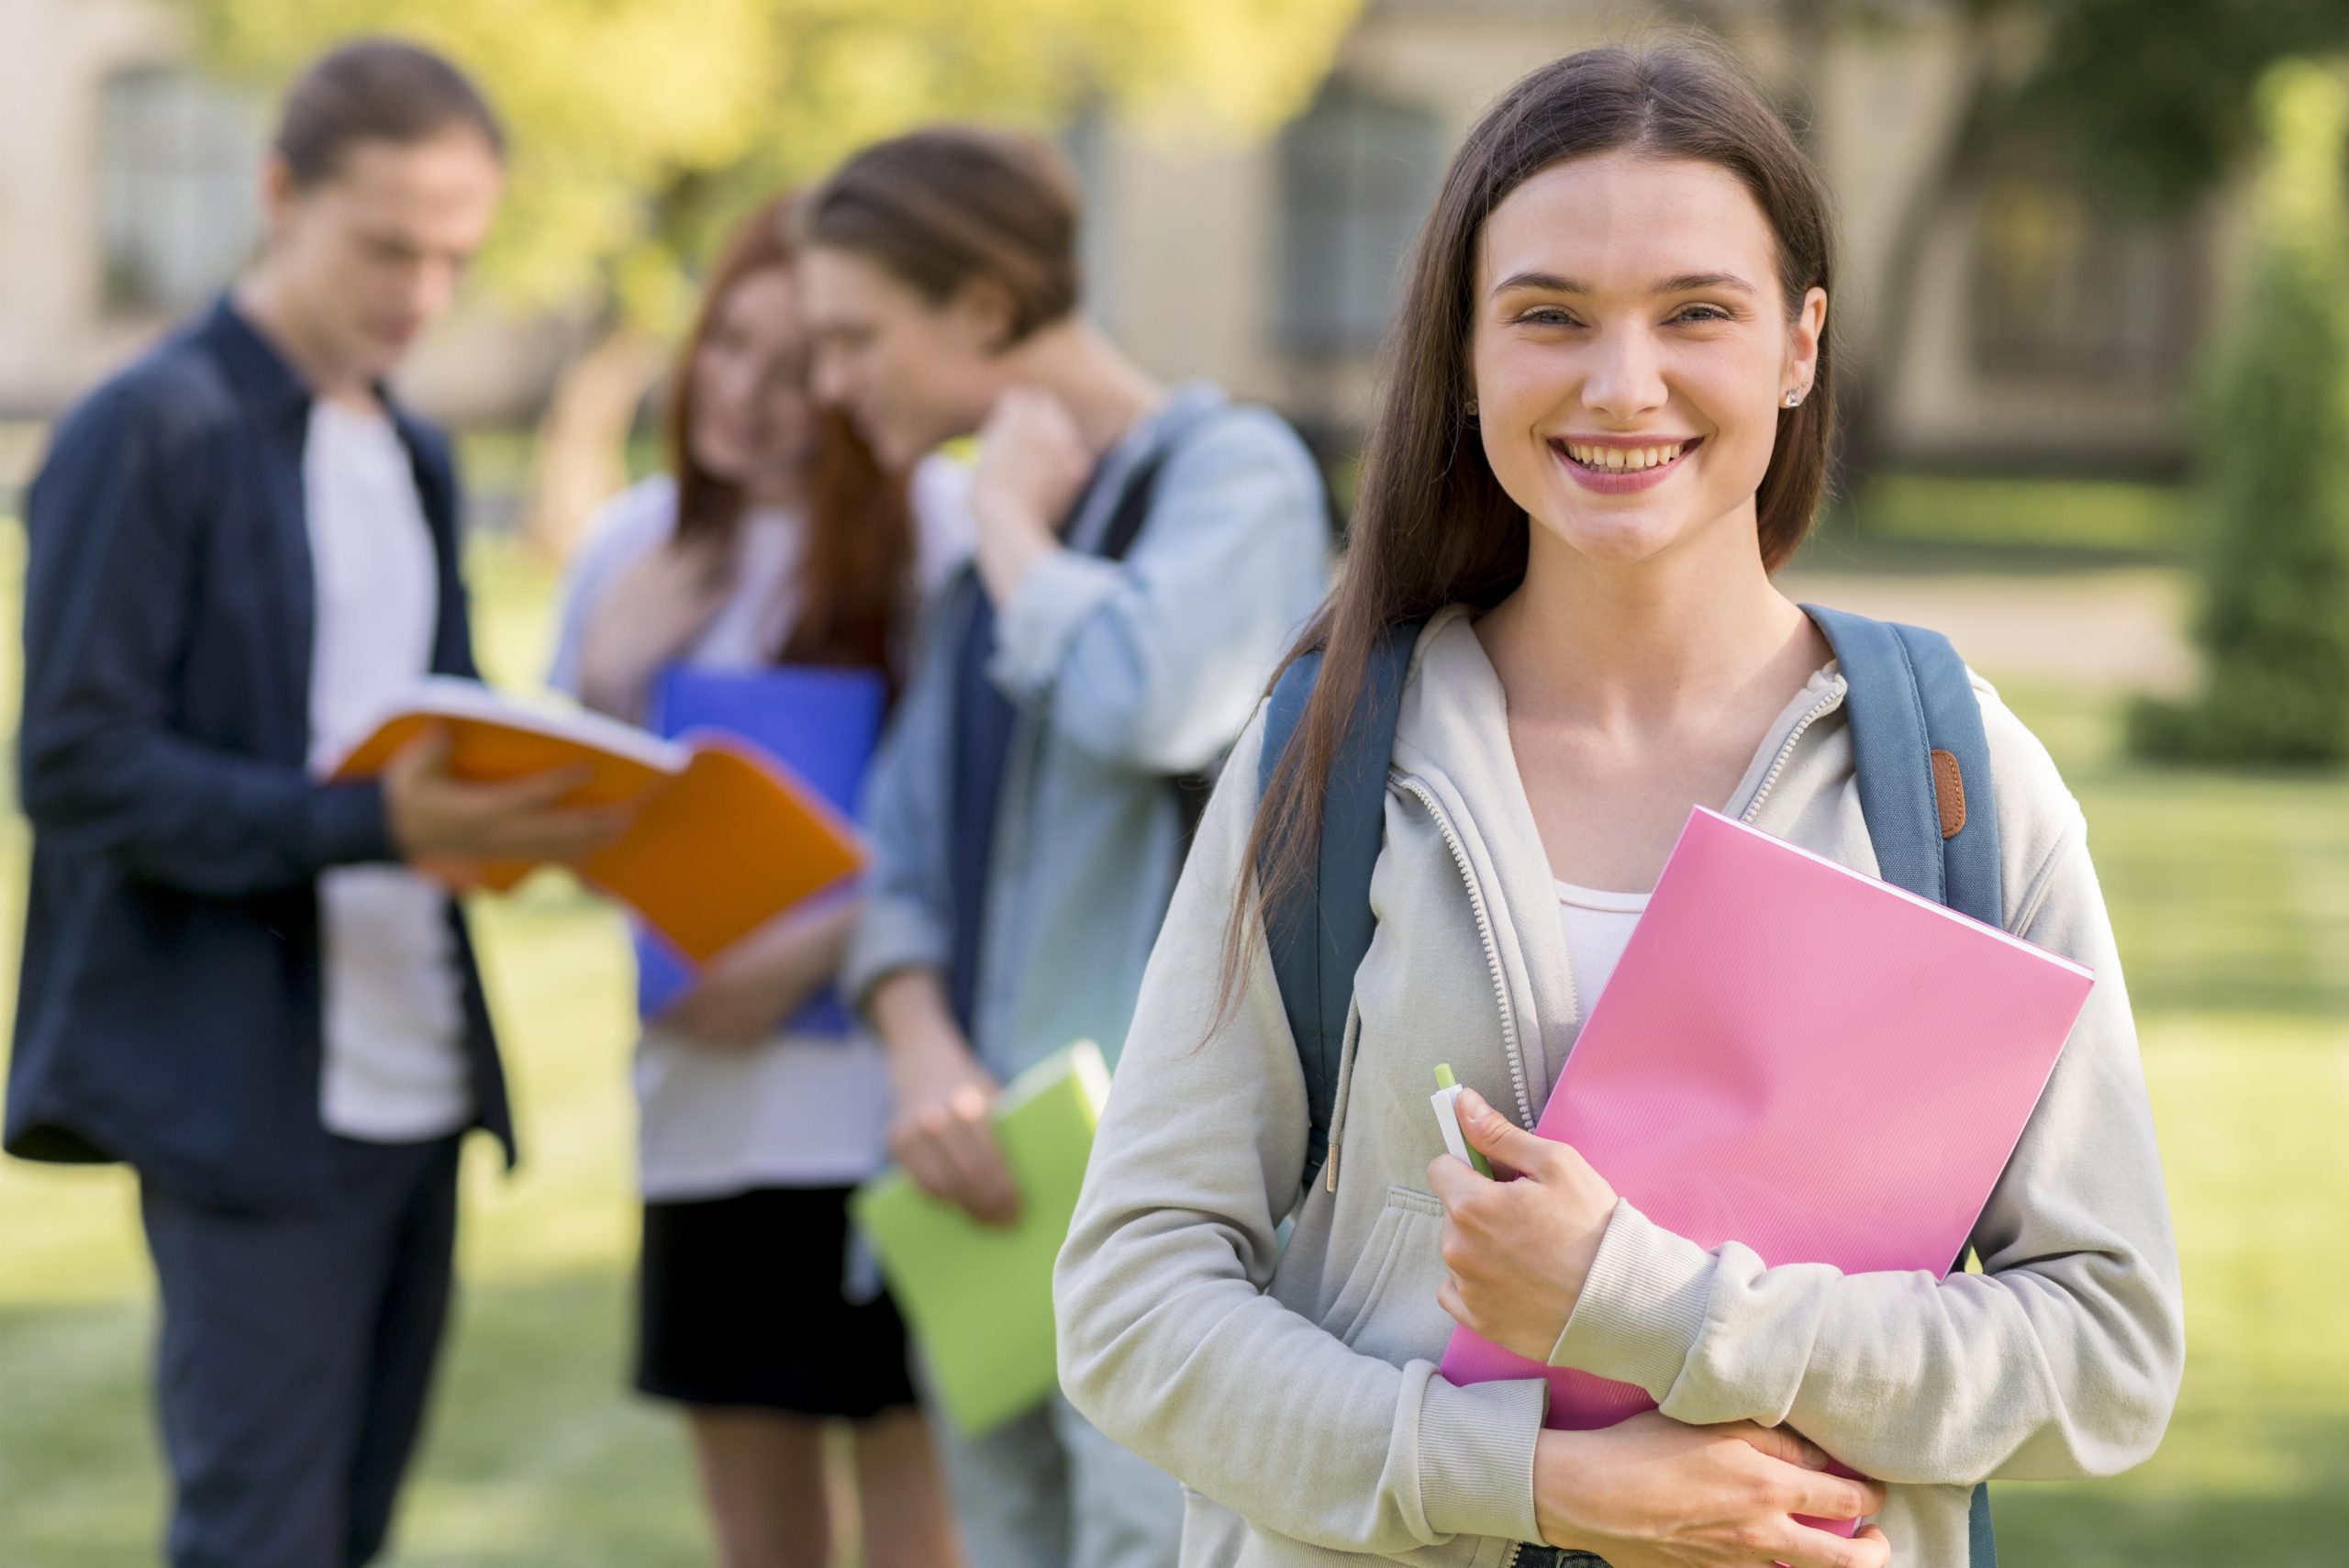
x,y
1949,792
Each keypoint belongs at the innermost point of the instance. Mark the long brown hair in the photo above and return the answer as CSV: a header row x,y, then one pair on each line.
x,y
940,206
1431,524
855,567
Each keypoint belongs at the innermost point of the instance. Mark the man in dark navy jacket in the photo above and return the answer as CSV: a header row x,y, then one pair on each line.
x,y
240,548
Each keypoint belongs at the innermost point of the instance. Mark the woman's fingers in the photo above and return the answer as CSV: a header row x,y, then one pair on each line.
x,y
1819,1496
1781,1443
1492,1134
1803,1546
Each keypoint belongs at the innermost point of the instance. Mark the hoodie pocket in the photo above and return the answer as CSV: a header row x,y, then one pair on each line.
x,y
1401,1240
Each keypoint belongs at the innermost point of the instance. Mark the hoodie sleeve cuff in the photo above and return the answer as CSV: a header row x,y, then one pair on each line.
x,y
347,823
1642,1309
1036,625
1476,1457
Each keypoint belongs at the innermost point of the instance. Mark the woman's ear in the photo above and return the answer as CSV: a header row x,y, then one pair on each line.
x,y
984,315
1802,343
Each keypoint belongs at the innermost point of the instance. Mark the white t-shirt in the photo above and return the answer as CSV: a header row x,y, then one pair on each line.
x,y
1598,927
796,1110
394,1068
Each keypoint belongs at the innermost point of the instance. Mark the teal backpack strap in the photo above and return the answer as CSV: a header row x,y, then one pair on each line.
x,y
1319,931
1923,762
1923,767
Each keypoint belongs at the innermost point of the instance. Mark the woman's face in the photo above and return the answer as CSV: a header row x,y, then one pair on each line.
x,y
752,419
1632,352
911,374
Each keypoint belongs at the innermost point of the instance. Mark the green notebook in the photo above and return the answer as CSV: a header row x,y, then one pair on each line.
x,y
979,1299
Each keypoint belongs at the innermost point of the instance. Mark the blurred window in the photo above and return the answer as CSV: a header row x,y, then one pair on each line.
x,y
1357,172
2065,287
177,207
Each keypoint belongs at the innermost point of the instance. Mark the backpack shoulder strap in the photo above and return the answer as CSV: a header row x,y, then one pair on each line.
x,y
1923,767
1319,930
1922,760
1134,499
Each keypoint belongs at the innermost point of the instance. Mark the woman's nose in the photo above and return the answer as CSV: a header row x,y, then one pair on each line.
x,y
1623,374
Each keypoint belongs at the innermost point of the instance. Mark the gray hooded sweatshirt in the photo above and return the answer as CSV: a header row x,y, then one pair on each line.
x,y
1295,1391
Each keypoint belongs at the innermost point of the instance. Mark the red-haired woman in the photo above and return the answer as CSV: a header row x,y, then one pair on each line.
x,y
773,539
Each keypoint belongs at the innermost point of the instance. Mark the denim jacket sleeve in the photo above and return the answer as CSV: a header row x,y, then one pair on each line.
x,y
111,578
906,922
1157,661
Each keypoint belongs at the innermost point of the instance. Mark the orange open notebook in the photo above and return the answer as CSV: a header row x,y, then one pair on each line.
x,y
723,840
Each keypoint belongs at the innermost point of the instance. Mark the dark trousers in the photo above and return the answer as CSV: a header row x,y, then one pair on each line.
x,y
296,1353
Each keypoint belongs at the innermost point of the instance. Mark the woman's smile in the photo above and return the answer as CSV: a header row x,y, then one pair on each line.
x,y
1620,465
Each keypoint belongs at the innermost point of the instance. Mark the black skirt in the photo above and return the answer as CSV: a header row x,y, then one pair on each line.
x,y
739,1306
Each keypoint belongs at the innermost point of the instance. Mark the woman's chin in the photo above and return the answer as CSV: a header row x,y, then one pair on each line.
x,y
1625,540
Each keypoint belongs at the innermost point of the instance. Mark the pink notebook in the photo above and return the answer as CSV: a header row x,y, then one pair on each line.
x,y
1803,1059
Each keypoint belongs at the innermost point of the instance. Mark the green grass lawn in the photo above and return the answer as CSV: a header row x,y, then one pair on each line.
x,y
2232,895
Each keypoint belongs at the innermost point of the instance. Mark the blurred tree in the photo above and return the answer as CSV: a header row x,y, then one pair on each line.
x,y
2274,623
2155,99
2165,94
639,127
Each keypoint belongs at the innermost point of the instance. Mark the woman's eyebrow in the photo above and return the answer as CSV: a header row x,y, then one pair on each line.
x,y
1688,282
1695,282
1548,282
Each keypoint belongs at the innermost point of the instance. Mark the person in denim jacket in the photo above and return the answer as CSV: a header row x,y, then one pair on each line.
x,y
1025,819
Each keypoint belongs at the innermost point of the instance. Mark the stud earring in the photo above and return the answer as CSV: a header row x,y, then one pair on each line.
x,y
1794,398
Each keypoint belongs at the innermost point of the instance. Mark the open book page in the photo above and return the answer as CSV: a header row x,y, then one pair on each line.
x,y
465,706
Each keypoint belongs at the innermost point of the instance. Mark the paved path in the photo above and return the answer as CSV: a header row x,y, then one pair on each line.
x,y
2110,629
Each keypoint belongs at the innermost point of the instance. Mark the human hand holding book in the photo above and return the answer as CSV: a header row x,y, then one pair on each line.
x,y
714,837
445,825
734,1000
1517,1250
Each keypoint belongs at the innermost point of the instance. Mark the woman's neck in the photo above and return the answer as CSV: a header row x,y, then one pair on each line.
x,y
1106,393
1611,646
780,493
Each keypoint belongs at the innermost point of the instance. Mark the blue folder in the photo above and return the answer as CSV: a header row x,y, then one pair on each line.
x,y
820,724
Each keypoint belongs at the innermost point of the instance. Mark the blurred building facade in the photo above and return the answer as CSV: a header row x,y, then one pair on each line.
x,y
2010,318
2013,320
128,198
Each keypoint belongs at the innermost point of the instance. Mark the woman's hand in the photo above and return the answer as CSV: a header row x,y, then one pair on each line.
x,y
1651,1493
1032,465
742,994
1517,1252
648,615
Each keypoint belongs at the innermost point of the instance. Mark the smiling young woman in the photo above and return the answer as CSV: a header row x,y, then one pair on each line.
x,y
1604,428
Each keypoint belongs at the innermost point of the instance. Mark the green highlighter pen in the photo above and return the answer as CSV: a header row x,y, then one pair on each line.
x,y
1446,1099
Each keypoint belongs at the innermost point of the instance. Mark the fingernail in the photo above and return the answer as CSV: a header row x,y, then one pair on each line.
x,y
1472,1105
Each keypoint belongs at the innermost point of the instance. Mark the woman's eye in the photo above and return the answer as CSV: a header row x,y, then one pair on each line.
x,y
1704,313
1546,316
